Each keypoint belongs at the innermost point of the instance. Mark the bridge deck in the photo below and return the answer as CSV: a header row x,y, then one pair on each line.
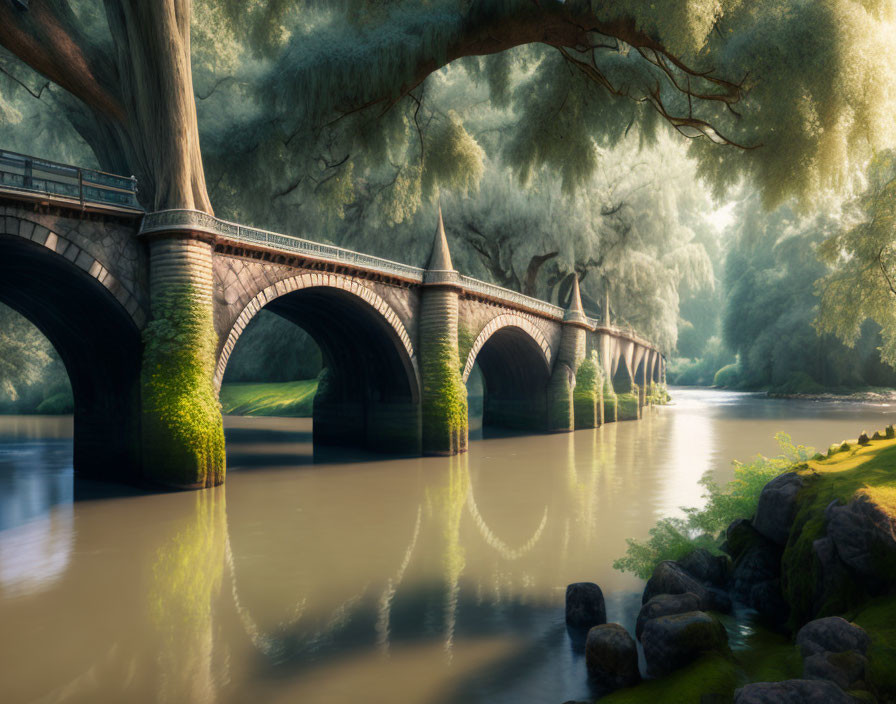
x,y
38,180
198,221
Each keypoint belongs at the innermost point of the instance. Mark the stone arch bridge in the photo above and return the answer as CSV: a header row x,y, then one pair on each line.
x,y
399,342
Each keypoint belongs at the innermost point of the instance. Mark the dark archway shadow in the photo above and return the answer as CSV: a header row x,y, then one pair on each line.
x,y
99,344
515,380
368,396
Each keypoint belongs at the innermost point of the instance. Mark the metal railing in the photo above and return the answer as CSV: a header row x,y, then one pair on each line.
x,y
29,174
198,221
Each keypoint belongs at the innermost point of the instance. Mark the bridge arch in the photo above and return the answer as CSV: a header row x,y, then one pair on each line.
x,y
69,249
503,321
93,321
514,357
369,394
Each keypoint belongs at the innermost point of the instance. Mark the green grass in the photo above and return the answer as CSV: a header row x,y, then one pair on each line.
x,y
878,617
294,399
856,469
710,676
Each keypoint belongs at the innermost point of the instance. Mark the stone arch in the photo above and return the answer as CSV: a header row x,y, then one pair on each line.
x,y
514,359
93,322
15,226
369,393
297,283
503,321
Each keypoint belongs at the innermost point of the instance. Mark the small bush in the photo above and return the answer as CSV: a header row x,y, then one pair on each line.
x,y
57,404
673,538
728,376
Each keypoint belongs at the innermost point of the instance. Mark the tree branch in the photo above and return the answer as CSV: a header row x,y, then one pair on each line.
x,y
48,37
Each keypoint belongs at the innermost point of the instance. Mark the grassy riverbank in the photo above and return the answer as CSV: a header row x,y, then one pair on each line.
x,y
849,472
293,399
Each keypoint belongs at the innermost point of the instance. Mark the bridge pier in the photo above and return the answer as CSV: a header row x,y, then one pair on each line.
x,y
444,395
561,388
182,429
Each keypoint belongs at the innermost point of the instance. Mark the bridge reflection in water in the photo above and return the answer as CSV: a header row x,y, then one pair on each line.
x,y
307,583
417,579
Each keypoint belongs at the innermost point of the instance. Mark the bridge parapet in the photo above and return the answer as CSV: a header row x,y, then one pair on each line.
x,y
195,221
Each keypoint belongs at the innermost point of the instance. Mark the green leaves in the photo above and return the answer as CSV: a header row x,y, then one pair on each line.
x,y
673,538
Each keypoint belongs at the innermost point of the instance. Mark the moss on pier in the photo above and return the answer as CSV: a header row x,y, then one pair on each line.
x,y
587,398
183,435
444,397
610,402
628,406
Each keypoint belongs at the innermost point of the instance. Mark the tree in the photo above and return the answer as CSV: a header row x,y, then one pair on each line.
x,y
771,266
861,253
24,353
797,92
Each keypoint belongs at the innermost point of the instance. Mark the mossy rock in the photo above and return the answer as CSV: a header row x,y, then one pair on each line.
x,y
868,471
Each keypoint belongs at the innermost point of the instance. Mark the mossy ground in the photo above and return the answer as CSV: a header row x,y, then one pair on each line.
x,y
855,470
294,399
183,435
711,676
859,469
878,617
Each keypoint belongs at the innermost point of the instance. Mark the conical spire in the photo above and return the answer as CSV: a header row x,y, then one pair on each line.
x,y
575,313
440,259
575,301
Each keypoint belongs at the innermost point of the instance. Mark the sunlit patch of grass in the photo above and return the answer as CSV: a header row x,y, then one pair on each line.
x,y
294,399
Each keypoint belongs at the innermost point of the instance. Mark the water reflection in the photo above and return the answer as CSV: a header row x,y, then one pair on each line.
x,y
35,502
428,580
186,582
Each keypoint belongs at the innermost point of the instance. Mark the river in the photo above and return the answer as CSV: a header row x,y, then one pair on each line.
x,y
351,578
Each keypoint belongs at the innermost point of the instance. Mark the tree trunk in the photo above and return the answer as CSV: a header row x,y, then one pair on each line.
x,y
152,41
134,105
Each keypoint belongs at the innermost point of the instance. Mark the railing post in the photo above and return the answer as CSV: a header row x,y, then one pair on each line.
x,y
81,188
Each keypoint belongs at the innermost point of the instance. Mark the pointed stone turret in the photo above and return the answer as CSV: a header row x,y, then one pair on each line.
x,y
439,270
561,410
444,397
440,257
575,312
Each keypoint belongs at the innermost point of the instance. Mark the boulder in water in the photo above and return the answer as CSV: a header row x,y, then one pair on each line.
x,y
666,605
585,605
612,657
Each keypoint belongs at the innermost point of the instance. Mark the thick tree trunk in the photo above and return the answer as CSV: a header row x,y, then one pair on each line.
x,y
135,107
152,41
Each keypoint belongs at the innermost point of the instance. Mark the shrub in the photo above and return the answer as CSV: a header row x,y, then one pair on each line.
x,y
673,538
728,376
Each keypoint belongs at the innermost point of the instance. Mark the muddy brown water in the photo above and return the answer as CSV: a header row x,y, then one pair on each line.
x,y
347,577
